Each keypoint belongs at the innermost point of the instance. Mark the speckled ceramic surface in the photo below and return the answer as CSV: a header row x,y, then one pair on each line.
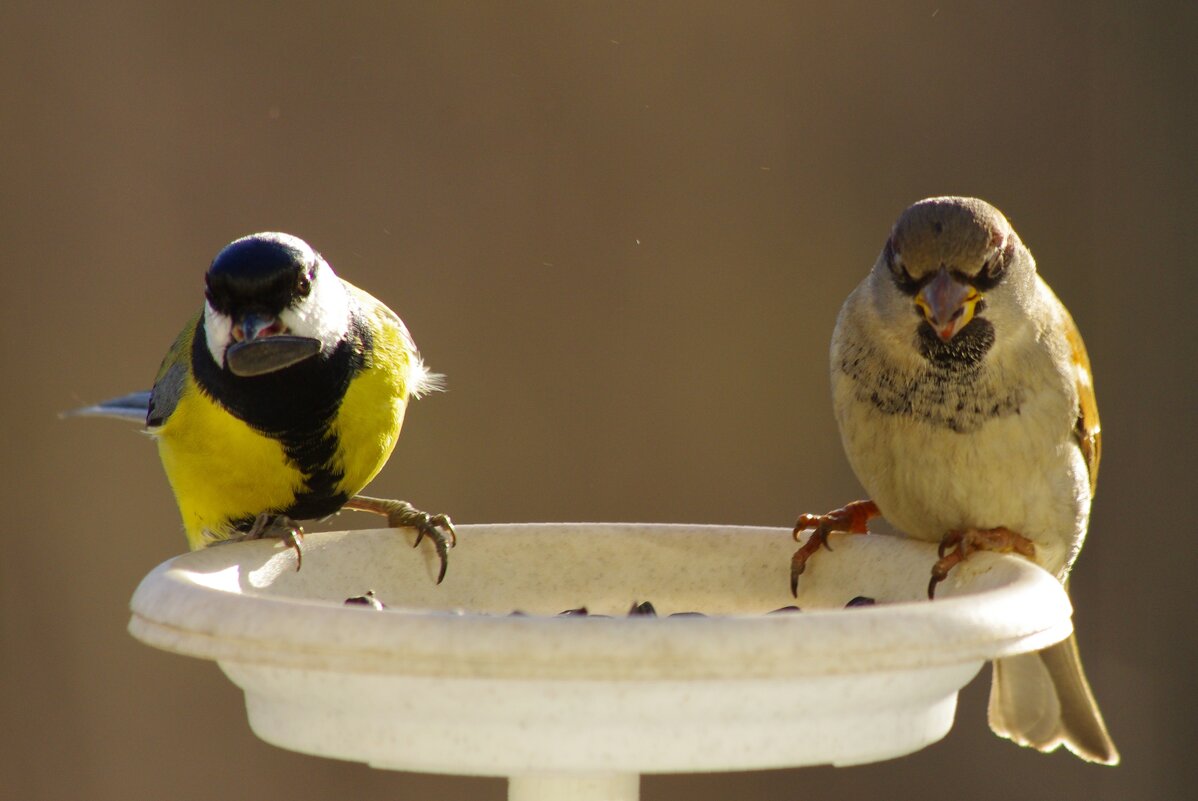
x,y
446,679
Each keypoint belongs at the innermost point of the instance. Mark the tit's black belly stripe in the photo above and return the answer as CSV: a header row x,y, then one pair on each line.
x,y
296,406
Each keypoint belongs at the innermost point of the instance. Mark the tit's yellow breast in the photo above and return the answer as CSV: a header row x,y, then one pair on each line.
x,y
367,425
371,415
220,469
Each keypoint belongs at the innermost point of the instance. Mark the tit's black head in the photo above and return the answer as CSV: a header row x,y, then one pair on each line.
x,y
264,273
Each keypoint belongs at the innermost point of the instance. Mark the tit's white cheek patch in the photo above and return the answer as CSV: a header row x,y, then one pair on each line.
x,y
324,314
218,333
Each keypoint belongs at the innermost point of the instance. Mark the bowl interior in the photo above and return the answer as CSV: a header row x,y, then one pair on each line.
x,y
546,569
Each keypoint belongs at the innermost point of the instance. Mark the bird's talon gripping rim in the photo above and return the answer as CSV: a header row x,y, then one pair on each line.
x,y
950,540
438,528
443,524
401,514
940,571
956,546
294,539
449,538
267,525
952,552
798,562
853,518
443,555
796,570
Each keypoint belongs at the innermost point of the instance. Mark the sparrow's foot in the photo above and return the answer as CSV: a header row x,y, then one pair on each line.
x,y
956,547
271,526
852,518
401,514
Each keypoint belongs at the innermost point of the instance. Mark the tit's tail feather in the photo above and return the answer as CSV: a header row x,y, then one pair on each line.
x,y
134,406
1043,700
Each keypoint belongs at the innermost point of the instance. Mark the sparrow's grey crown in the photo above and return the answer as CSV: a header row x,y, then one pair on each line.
x,y
968,237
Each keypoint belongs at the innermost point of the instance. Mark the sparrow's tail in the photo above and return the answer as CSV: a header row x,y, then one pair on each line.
x,y
1043,700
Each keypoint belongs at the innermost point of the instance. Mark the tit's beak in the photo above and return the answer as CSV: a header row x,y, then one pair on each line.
x,y
250,326
948,304
261,348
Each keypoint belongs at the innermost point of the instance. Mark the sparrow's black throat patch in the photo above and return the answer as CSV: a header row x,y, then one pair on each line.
x,y
953,389
963,351
296,406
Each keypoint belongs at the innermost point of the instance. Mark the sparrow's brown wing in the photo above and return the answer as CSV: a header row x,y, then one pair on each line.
x,y
1088,429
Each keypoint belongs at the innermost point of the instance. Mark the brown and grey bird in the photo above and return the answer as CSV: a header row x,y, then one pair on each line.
x,y
966,407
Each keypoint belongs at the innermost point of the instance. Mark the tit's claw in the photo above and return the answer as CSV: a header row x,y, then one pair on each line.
x,y
401,514
439,528
281,527
852,518
956,546
293,538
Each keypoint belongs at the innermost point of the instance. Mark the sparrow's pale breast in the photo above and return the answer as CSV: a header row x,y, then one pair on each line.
x,y
982,448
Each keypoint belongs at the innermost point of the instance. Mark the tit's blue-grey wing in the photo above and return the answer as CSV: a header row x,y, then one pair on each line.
x,y
172,376
154,407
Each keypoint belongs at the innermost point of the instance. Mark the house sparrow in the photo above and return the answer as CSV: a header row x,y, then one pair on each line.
x,y
966,407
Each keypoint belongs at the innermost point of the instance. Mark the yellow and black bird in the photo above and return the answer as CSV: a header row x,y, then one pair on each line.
x,y
281,399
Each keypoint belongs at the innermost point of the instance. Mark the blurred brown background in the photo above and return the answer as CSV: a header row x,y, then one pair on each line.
x,y
623,230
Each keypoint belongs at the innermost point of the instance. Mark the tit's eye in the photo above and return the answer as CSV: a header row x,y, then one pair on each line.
x,y
209,295
304,286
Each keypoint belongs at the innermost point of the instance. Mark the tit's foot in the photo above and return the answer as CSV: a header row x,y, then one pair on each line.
x,y
852,518
401,514
956,547
272,526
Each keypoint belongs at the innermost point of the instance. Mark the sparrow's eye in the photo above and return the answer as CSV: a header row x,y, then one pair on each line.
x,y
994,266
898,270
903,279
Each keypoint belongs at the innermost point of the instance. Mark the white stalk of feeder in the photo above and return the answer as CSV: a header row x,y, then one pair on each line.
x,y
575,787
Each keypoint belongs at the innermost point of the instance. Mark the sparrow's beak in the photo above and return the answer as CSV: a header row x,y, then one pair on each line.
x,y
261,346
948,304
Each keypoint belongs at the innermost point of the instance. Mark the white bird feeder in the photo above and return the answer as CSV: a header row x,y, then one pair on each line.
x,y
483,676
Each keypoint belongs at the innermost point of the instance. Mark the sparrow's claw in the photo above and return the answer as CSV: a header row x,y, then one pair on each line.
x,y
271,526
852,518
956,546
798,562
401,514
950,540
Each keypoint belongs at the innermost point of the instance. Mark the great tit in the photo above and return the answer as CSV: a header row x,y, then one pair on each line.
x,y
281,399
